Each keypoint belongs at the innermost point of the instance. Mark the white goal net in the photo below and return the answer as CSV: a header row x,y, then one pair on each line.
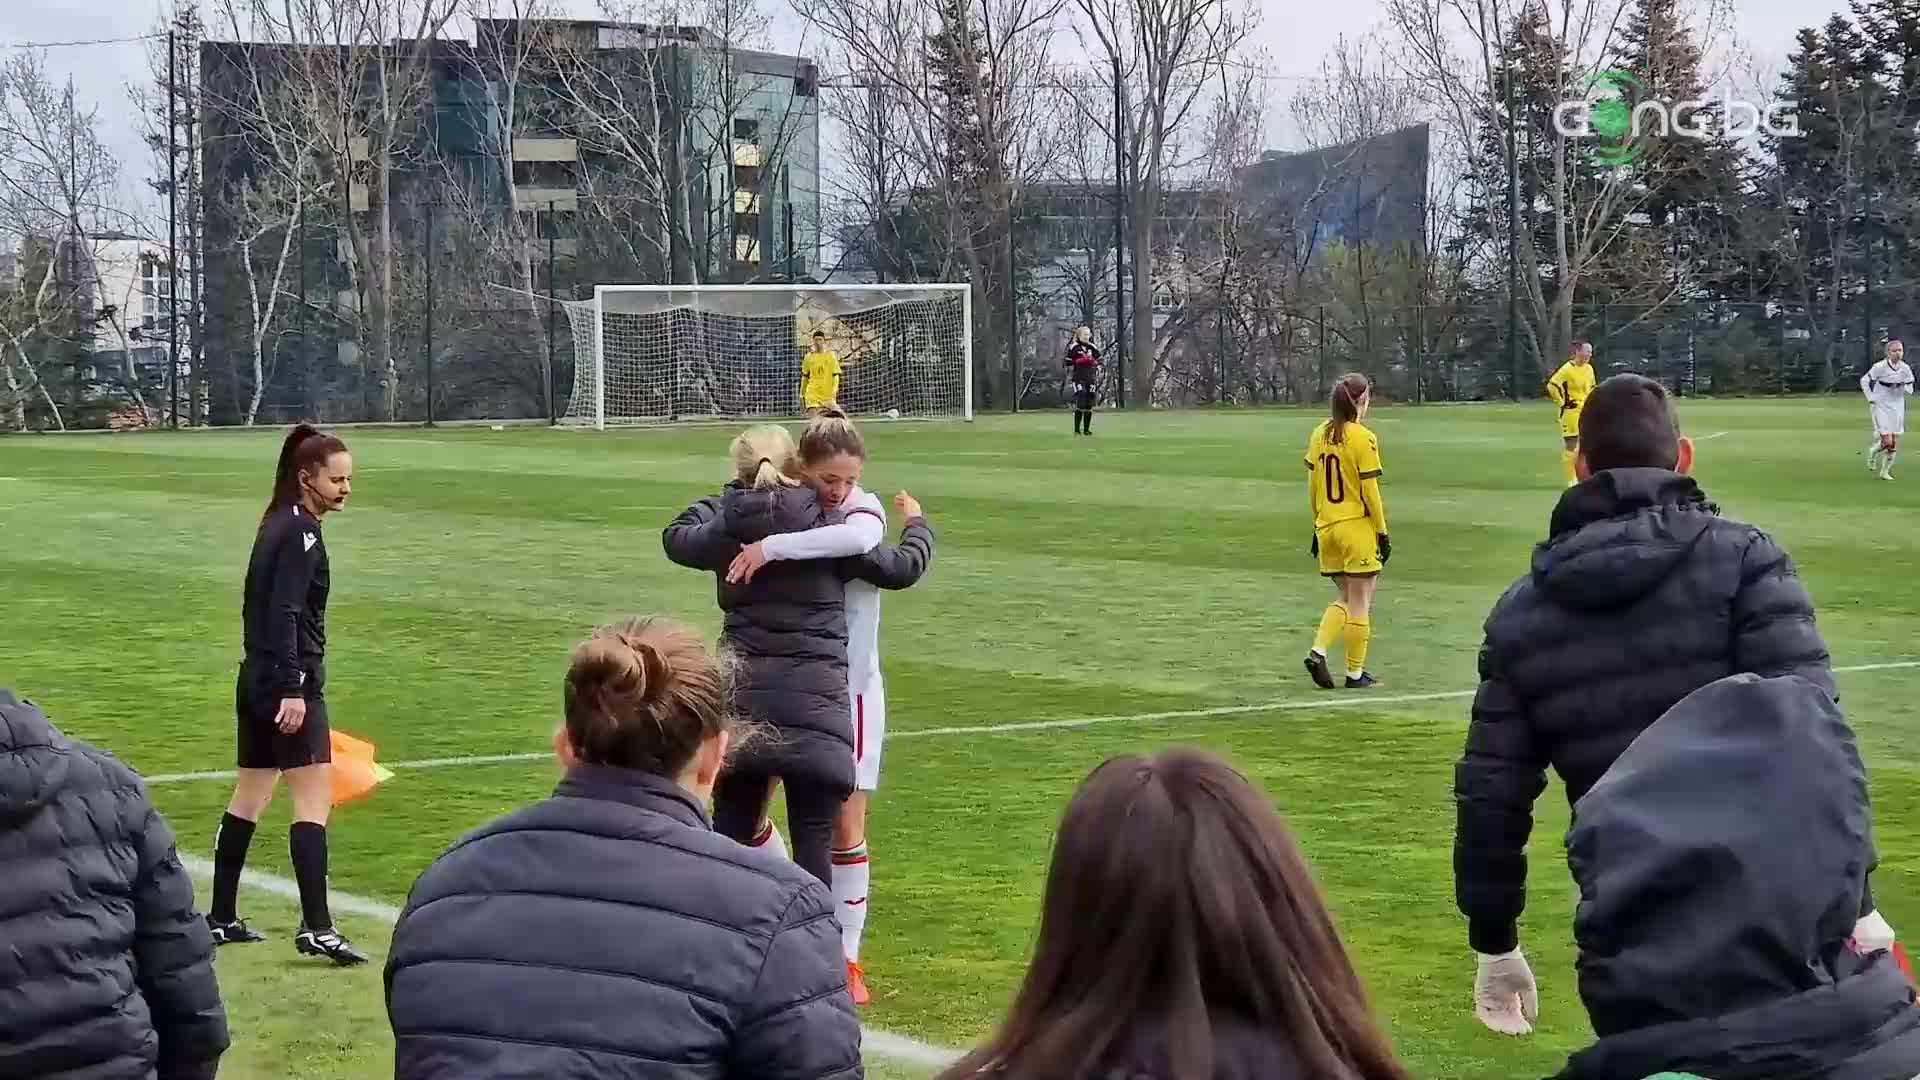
x,y
675,352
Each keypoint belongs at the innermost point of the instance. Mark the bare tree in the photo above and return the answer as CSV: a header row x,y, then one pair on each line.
x,y
1576,218
981,101
1165,54
57,192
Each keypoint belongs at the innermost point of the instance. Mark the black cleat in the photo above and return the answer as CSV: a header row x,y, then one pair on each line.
x,y
330,944
1317,667
236,932
1362,681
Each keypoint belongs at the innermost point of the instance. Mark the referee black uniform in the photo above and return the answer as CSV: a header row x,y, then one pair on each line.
x,y
1083,366
285,612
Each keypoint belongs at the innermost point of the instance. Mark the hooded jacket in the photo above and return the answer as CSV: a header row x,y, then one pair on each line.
x,y
106,970
787,627
1721,863
1643,594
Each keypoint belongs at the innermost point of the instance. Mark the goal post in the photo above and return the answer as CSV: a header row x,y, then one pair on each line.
x,y
656,353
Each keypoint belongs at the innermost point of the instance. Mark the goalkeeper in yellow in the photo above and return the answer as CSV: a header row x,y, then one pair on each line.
x,y
1349,529
819,376
1569,389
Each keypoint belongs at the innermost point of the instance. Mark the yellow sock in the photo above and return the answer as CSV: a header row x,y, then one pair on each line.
x,y
1359,634
1330,624
1566,466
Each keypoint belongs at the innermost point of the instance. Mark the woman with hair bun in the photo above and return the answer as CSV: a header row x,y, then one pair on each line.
x,y
608,930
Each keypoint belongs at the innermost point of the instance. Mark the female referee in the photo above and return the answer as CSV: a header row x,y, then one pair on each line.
x,y
1349,529
280,697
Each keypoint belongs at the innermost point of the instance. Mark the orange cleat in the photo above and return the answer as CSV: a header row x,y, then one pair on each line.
x,y
857,984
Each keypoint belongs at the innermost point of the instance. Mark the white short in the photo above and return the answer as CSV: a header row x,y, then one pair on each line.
x,y
869,731
1889,419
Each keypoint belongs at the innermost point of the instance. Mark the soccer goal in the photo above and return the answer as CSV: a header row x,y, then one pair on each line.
x,y
648,353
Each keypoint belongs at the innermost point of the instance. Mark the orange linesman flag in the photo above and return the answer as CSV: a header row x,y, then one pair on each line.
x,y
355,773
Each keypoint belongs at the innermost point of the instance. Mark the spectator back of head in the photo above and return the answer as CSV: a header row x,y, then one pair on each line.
x,y
1628,423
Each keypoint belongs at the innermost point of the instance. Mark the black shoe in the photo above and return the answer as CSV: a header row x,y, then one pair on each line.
x,y
1317,667
236,932
330,944
1362,681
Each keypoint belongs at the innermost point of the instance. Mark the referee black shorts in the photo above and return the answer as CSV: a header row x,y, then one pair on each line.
x,y
260,743
1083,396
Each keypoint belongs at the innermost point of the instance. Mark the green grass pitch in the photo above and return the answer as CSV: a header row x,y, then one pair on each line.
x,y
1159,567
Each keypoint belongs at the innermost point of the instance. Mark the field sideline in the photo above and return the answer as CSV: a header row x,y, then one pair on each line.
x,y
1148,586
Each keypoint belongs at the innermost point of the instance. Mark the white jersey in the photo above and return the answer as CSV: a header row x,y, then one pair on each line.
x,y
864,529
1887,388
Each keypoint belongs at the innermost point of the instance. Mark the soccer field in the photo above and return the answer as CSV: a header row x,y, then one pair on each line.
x,y
1145,587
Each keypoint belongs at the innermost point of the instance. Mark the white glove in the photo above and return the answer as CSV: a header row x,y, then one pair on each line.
x,y
1872,934
1505,997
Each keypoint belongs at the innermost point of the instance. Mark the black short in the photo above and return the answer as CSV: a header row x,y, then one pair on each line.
x,y
1083,396
259,741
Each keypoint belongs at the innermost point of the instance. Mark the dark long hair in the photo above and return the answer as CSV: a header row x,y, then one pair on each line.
x,y
1178,907
1347,392
307,448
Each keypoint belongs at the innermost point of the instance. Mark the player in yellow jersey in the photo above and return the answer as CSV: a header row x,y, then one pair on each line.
x,y
819,376
1349,529
1569,389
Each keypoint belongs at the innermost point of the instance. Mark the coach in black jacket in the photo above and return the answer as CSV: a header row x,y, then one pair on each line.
x,y
106,969
1643,594
1721,861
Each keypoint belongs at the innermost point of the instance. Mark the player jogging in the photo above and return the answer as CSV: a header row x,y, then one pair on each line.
x,y
280,701
1569,388
1349,529
831,456
819,376
1083,368
1887,385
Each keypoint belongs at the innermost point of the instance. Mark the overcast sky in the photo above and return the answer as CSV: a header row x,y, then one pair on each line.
x,y
1295,37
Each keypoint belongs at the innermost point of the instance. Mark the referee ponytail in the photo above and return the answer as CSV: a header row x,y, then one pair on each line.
x,y
306,449
1348,392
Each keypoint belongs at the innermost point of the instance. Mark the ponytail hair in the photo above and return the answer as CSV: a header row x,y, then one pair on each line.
x,y
1347,392
645,694
306,448
763,457
830,434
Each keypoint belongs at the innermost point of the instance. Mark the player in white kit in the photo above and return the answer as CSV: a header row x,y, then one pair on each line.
x,y
831,457
1887,386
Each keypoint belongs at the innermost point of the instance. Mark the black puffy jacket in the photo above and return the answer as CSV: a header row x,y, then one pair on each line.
x,y
1721,863
610,933
106,970
788,627
1643,595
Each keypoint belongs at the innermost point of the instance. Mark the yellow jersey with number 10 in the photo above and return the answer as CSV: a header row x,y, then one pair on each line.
x,y
1335,472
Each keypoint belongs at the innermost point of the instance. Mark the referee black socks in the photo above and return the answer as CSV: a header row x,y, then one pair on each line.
x,y
229,858
307,843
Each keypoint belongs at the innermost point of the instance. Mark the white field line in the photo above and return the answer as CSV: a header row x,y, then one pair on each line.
x,y
1715,435
873,1042
1339,701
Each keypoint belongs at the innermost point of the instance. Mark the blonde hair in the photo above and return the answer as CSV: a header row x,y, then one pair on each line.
x,y
645,694
830,434
762,457
1084,334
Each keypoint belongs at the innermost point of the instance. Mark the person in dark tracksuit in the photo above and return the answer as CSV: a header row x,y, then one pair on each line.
x,y
106,969
1083,370
280,694
1721,861
1642,594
